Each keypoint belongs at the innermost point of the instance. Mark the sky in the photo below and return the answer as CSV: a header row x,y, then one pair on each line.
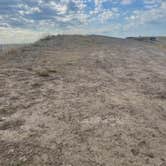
x,y
23,21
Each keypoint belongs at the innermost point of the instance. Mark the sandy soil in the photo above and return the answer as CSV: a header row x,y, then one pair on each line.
x,y
83,101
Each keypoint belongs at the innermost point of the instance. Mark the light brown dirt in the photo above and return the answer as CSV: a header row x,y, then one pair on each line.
x,y
83,101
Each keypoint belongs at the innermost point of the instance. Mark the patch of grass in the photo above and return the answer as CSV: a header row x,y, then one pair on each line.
x,y
7,111
47,71
17,163
161,95
43,73
10,51
13,124
52,70
162,46
36,85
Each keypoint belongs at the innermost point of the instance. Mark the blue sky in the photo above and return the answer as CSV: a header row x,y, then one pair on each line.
x,y
28,20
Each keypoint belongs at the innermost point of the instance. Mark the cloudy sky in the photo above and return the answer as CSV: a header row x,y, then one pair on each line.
x,y
27,20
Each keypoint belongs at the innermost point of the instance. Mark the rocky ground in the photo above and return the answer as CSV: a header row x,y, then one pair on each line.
x,y
83,101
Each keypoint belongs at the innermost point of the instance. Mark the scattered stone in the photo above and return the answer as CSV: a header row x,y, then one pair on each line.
x,y
135,151
151,155
2,118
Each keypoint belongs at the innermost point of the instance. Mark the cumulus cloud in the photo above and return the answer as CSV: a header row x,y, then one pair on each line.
x,y
60,8
148,16
58,16
152,3
25,9
18,35
126,2
108,14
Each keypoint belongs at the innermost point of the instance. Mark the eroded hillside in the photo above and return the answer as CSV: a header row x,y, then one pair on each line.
x,y
83,101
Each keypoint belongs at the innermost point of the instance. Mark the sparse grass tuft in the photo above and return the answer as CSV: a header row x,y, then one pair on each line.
x,y
36,85
17,163
52,70
46,71
43,73
11,51
162,46
7,111
14,124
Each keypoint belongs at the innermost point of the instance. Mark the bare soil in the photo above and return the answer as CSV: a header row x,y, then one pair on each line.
x,y
83,101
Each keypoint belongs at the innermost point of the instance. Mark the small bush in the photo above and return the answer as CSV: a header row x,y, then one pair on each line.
x,y
52,70
42,73
11,51
14,124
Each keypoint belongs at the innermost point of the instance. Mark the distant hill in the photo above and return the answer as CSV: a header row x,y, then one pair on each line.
x,y
9,46
158,41
149,38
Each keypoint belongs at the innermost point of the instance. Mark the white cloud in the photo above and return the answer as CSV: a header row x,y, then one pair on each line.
x,y
106,15
126,2
82,29
79,4
18,35
60,8
57,16
147,16
25,9
152,3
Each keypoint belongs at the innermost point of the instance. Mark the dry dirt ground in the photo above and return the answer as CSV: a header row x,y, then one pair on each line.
x,y
83,101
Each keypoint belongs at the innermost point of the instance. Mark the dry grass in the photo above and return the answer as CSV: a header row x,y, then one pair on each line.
x,y
84,106
10,51
162,46
42,73
11,124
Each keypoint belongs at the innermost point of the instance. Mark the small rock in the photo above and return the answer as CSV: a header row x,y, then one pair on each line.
x,y
135,151
151,155
23,158
45,157
3,118
11,151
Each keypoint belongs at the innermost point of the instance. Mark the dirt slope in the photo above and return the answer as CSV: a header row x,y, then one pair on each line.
x,y
83,101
